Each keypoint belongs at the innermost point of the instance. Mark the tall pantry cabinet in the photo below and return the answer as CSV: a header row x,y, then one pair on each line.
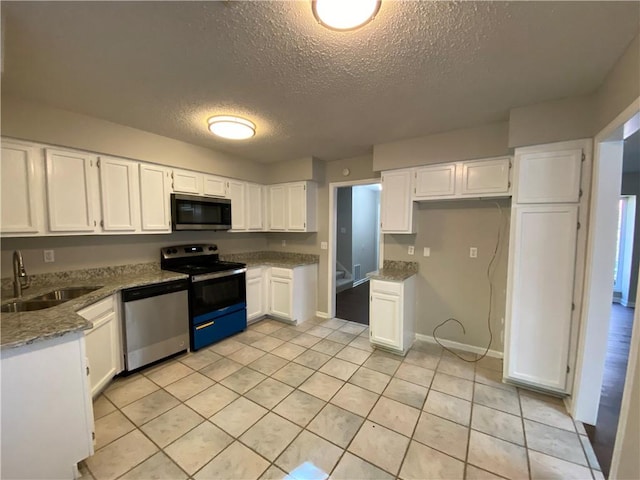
x,y
542,285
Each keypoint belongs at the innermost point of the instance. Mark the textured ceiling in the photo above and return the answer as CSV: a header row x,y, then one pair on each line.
x,y
418,68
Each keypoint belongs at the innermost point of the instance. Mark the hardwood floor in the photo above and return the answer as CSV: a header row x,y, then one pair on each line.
x,y
603,435
353,304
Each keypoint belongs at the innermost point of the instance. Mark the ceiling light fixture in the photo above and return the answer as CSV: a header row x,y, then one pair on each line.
x,y
233,128
345,14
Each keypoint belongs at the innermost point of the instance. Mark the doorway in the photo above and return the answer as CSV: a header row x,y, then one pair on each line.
x,y
625,278
355,247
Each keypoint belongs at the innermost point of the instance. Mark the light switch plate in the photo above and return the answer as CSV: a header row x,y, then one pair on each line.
x,y
323,245
412,249
427,252
49,256
473,252
284,243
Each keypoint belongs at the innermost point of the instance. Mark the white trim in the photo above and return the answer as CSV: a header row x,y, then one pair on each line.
x,y
322,314
584,392
331,253
459,346
627,304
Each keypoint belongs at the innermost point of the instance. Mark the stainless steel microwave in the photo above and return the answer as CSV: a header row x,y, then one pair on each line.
x,y
189,212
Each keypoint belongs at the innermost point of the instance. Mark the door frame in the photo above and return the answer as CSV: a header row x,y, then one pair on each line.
x,y
332,247
596,297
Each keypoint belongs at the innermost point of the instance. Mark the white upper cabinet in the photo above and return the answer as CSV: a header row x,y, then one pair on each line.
x,y
236,193
214,186
255,207
485,177
539,311
21,168
185,181
155,189
547,176
119,194
396,205
277,207
435,181
70,188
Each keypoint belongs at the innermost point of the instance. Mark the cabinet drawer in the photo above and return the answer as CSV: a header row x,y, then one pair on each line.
x,y
392,288
254,273
281,272
98,309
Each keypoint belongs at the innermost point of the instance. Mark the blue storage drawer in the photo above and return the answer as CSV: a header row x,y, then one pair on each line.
x,y
218,325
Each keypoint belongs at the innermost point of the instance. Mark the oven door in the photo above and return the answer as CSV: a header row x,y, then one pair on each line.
x,y
212,293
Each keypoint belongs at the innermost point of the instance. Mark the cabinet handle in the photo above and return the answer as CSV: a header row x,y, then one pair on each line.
x,y
204,325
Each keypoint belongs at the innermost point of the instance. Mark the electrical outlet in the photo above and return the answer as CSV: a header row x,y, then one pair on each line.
x,y
427,252
49,257
323,245
284,243
473,252
412,249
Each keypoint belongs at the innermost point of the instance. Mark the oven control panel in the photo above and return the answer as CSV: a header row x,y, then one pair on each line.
x,y
181,251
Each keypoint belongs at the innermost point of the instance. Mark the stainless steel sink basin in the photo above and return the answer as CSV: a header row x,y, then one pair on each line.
x,y
65,294
29,305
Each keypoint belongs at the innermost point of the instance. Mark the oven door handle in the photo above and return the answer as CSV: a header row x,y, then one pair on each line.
x,y
211,276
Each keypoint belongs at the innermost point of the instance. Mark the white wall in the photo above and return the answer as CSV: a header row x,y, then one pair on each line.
x,y
366,205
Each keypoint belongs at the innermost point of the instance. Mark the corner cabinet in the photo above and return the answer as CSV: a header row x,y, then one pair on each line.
x,y
21,176
103,342
47,426
391,321
292,207
396,205
71,179
292,292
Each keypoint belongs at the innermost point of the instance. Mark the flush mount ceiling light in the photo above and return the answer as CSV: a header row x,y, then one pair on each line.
x,y
233,128
345,14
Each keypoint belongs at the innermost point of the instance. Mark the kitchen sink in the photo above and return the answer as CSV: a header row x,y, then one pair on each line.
x,y
29,305
65,294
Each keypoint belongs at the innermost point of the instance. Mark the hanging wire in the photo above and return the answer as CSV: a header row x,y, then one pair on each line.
x,y
489,275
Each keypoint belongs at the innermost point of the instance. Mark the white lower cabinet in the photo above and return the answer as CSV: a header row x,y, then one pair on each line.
x,y
256,293
292,292
540,286
47,413
391,321
104,344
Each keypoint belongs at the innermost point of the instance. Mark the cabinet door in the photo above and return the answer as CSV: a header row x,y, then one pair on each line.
x,y
215,186
435,181
385,321
236,193
18,189
185,181
154,198
69,191
103,351
255,293
255,207
119,194
547,177
482,177
280,298
277,205
540,294
297,207
396,205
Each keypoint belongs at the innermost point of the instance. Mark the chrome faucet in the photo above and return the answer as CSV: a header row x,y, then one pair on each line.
x,y
19,274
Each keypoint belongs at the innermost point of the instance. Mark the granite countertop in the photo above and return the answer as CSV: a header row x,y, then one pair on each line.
x,y
396,271
23,328
272,259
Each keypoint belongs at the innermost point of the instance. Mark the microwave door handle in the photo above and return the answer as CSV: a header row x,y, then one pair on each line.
x,y
210,276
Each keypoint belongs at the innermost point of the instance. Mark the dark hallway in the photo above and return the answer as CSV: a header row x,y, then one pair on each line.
x,y
353,304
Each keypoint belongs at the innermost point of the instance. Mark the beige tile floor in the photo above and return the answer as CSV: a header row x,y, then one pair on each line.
x,y
315,400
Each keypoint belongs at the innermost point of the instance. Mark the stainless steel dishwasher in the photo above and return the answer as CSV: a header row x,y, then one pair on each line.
x,y
156,322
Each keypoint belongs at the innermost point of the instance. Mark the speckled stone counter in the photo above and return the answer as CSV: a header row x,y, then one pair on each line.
x,y
17,329
395,271
272,259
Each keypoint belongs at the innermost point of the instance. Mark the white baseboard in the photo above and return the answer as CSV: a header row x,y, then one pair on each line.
x,y
459,346
322,315
627,304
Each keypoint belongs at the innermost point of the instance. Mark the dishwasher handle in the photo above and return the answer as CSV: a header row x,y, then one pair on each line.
x,y
148,291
